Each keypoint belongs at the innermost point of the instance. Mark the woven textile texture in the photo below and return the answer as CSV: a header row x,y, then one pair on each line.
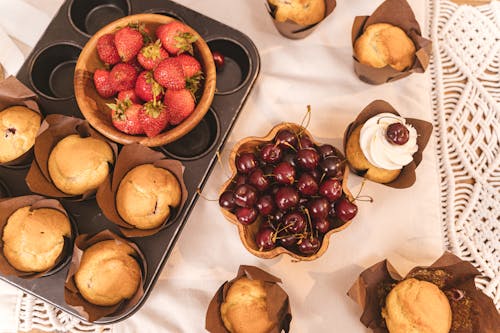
x,y
466,97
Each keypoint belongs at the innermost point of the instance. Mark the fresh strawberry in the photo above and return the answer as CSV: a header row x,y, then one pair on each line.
x,y
190,65
151,55
176,37
128,42
180,104
192,71
137,66
169,74
153,118
106,49
129,94
122,77
102,83
125,116
147,88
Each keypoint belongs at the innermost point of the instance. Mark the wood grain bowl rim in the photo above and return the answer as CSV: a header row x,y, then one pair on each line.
x,y
243,230
106,128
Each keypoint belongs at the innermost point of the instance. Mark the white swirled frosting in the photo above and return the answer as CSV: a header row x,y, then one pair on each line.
x,y
378,150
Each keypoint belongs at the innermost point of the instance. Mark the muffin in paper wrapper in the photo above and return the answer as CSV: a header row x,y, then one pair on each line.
x,y
407,177
72,296
472,310
400,14
131,156
7,207
293,30
12,93
55,128
278,304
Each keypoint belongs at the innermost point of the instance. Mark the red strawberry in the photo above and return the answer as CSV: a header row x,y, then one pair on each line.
x,y
103,84
180,104
151,55
125,116
137,66
169,74
106,49
129,94
153,118
122,77
176,37
147,88
128,42
190,65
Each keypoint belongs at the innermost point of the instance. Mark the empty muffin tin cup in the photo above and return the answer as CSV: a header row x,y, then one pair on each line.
x,y
164,12
52,69
197,143
237,67
89,16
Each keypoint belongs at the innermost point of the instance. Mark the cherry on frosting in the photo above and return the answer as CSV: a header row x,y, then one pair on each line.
x,y
397,133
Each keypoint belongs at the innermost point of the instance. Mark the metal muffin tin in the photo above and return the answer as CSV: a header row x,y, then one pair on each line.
x,y
49,72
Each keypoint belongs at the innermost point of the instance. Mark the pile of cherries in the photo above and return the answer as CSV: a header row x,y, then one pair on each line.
x,y
295,186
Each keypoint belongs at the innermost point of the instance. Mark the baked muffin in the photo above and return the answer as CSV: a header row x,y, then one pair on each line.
x,y
77,165
34,239
302,12
415,306
18,129
108,273
383,44
381,147
245,308
146,196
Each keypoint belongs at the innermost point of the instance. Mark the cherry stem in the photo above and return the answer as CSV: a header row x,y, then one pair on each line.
x,y
198,191
389,117
306,211
306,119
364,198
289,145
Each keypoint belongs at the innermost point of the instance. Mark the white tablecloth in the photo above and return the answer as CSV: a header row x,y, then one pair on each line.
x,y
402,225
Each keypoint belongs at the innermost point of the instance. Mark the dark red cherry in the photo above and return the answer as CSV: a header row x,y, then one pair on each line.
x,y
284,173
309,245
245,195
290,158
240,179
265,205
265,239
286,198
246,215
286,139
307,158
277,216
246,162
322,225
316,174
258,180
333,167
326,150
226,200
307,185
219,60
295,222
271,153
318,209
331,189
397,133
305,142
287,240
345,210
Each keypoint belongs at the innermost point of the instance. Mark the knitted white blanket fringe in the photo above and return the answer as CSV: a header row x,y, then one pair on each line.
x,y
466,96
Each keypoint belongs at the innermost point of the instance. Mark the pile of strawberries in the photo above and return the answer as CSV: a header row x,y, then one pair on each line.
x,y
154,81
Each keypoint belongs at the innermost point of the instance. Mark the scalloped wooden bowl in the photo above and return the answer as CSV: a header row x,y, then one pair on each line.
x,y
247,233
93,106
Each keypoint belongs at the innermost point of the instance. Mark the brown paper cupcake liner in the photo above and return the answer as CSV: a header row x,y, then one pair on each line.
x,y
55,128
472,311
72,296
400,14
407,177
4,190
278,304
7,208
12,93
131,156
293,30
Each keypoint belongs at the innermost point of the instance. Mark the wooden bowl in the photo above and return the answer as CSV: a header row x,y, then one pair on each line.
x,y
247,232
93,106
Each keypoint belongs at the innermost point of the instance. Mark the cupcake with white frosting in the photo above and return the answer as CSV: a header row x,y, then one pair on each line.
x,y
381,147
